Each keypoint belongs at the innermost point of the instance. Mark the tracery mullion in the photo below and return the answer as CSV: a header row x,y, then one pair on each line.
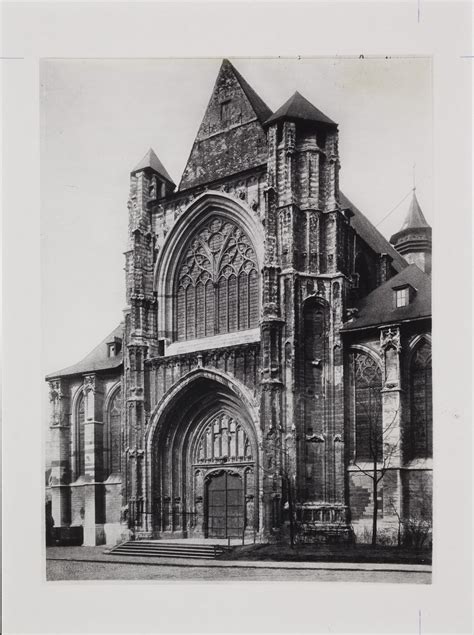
x,y
221,254
195,311
227,304
248,300
204,288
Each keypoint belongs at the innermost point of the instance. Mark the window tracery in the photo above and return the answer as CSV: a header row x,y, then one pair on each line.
x,y
421,436
223,440
80,418
113,443
217,282
368,408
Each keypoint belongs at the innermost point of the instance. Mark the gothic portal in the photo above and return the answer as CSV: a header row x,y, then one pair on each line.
x,y
204,460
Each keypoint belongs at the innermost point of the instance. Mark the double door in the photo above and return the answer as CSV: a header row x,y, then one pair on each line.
x,y
225,506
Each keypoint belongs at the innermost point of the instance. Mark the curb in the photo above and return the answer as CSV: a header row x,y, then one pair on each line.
x,y
251,564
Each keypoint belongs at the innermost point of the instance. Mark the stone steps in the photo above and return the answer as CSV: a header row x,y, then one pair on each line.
x,y
157,549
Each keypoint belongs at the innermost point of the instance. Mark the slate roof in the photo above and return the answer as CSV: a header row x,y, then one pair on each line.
x,y
298,107
261,109
415,219
151,161
371,235
378,307
96,360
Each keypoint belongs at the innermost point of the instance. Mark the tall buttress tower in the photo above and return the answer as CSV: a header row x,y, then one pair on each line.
x,y
148,182
305,282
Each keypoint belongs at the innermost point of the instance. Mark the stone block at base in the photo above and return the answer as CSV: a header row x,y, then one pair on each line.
x,y
94,535
113,533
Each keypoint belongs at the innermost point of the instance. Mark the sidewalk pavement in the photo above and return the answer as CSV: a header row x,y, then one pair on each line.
x,y
101,554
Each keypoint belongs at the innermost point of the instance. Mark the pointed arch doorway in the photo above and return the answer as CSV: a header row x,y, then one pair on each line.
x,y
204,479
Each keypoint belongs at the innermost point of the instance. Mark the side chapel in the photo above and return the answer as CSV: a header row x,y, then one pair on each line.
x,y
275,348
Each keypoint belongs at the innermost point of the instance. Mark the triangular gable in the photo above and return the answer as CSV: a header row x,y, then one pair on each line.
x,y
231,138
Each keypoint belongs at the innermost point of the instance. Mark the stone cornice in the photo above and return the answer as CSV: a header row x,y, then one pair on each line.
x,y
156,362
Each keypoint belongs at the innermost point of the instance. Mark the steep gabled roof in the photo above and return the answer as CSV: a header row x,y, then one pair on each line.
x,y
261,109
378,307
231,128
96,360
371,234
298,107
151,162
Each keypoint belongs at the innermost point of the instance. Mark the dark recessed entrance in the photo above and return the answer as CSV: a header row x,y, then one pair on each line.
x,y
225,506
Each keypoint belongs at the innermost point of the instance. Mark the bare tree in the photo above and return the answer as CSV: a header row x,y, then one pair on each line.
x,y
381,447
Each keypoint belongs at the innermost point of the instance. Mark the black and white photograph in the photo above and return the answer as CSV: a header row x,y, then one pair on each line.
x,y
264,396
236,381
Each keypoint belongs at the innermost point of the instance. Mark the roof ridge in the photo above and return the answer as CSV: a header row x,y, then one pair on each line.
x,y
370,234
261,109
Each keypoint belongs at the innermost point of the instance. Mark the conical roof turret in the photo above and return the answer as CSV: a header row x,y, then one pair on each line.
x,y
415,217
151,162
413,240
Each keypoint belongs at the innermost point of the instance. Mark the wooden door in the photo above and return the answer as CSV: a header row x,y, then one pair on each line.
x,y
225,506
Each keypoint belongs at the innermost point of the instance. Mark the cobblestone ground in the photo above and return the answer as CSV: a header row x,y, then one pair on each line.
x,y
76,570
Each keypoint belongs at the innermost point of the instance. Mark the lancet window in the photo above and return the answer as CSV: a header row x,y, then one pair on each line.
x,y
368,408
80,418
113,431
421,435
217,283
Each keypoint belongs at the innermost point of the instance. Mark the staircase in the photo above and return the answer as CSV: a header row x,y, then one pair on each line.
x,y
158,549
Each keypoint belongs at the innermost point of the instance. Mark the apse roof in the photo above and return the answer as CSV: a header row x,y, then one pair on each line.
x,y
378,307
151,161
298,107
371,234
97,359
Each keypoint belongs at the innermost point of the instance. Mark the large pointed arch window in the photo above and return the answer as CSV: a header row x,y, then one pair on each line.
x,y
113,440
80,418
368,408
216,287
421,419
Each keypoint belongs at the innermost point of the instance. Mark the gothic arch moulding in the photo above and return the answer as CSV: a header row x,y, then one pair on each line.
x,y
176,392
202,210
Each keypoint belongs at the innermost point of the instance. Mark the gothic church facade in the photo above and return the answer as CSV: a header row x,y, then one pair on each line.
x,y
275,349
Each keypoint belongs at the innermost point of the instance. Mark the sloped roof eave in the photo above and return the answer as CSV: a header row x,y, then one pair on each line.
x,y
96,360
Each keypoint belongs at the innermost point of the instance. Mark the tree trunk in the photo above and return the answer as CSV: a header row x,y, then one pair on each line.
x,y
290,511
374,517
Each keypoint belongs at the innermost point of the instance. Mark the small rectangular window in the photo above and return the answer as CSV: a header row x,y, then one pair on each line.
x,y
402,297
111,350
161,348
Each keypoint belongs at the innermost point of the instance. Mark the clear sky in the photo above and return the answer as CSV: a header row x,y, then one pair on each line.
x,y
99,117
